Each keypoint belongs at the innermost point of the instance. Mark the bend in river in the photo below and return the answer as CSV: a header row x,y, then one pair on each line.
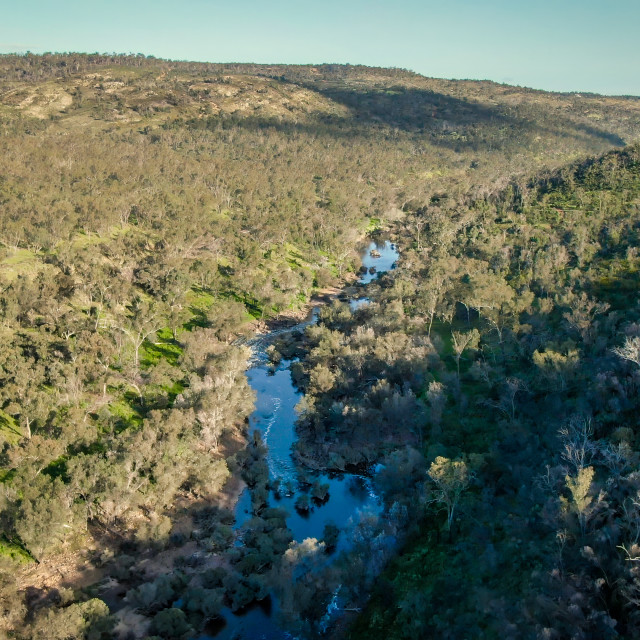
x,y
275,417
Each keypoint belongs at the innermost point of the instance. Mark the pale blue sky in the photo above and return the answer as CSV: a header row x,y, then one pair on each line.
x,y
563,45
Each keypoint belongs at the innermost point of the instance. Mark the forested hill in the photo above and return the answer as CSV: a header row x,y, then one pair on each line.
x,y
530,304
96,142
152,212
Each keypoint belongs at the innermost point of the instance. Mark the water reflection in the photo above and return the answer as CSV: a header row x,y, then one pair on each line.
x,y
385,255
254,622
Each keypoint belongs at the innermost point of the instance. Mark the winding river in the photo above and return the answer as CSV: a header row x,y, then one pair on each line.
x,y
274,417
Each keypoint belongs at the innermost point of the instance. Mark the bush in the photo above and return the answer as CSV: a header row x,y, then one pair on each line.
x,y
170,623
207,602
330,536
213,578
320,491
303,503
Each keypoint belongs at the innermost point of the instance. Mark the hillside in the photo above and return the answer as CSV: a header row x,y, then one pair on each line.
x,y
153,212
529,389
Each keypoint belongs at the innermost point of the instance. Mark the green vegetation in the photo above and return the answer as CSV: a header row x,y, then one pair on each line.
x,y
502,361
151,212
14,552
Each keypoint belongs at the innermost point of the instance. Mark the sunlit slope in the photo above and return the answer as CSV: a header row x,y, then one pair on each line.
x,y
464,115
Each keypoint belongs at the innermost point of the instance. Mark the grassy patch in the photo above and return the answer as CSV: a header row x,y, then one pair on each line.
x,y
126,416
6,475
57,468
254,310
14,551
20,262
19,256
165,348
615,282
200,299
375,224
295,254
199,319
83,239
9,431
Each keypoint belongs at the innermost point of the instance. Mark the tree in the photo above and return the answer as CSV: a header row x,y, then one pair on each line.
x,y
171,623
46,516
79,621
437,399
582,315
578,448
630,350
461,342
142,321
506,402
431,292
451,479
581,502
417,223
210,417
557,363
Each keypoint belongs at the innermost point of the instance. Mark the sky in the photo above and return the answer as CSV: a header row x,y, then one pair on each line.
x,y
558,45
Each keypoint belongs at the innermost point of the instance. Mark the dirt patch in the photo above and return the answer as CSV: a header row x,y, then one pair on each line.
x,y
290,318
131,624
266,97
65,570
46,100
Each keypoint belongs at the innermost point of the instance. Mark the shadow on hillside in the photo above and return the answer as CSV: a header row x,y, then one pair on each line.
x,y
442,120
417,109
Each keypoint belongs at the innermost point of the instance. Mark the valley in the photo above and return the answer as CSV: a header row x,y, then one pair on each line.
x,y
462,420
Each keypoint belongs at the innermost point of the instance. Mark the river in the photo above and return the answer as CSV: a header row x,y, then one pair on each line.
x,y
274,417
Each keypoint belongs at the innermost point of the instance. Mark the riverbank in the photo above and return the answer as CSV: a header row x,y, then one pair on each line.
x,y
344,289
311,498
290,318
109,565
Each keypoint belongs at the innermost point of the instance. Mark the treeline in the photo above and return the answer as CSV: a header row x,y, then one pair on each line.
x,y
36,67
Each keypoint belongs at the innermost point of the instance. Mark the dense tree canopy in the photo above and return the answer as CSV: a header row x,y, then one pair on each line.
x,y
153,213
